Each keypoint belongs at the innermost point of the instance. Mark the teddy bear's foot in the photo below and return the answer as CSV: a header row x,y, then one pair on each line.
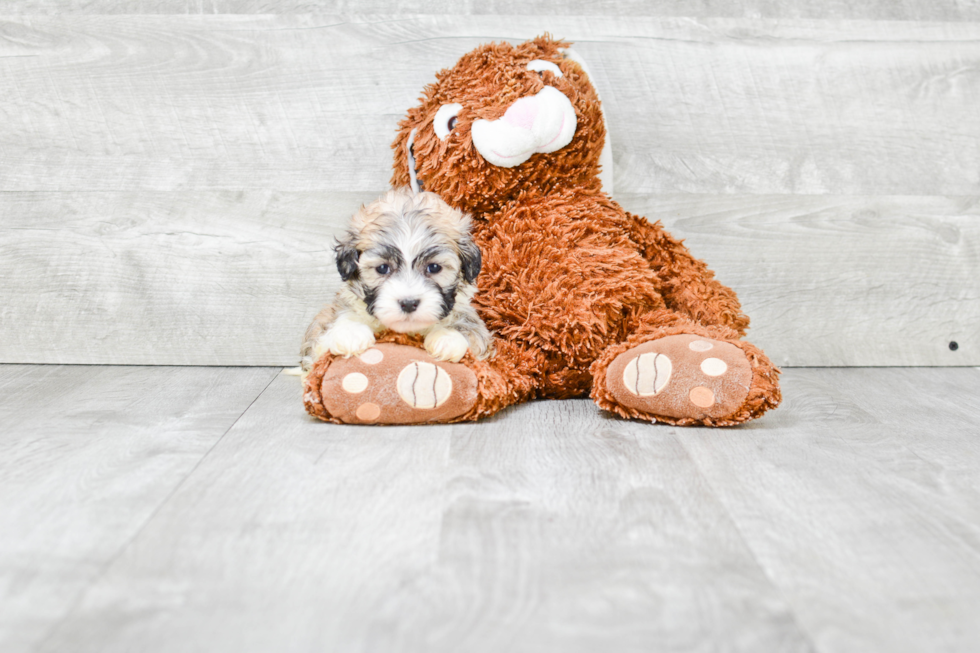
x,y
682,379
392,384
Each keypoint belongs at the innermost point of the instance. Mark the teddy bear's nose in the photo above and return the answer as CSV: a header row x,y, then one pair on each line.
x,y
522,113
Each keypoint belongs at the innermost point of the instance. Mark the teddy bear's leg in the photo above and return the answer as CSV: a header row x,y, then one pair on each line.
x,y
677,371
686,284
400,383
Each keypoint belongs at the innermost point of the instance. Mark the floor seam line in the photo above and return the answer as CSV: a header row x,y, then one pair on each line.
x,y
807,636
122,549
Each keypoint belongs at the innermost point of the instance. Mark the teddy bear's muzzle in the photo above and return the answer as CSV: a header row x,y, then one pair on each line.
x,y
540,123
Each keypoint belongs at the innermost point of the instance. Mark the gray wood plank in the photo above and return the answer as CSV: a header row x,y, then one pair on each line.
x,y
271,107
87,455
947,10
165,278
715,105
862,501
842,281
225,278
550,528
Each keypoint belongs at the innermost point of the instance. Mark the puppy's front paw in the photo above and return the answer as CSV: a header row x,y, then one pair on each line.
x,y
345,339
446,344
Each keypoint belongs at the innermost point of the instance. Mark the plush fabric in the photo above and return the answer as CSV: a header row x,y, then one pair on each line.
x,y
572,285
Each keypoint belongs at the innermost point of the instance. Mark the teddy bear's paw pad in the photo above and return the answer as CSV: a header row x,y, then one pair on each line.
x,y
397,384
424,385
682,376
647,374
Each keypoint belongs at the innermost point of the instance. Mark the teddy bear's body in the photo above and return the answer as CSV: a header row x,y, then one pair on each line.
x,y
562,276
584,297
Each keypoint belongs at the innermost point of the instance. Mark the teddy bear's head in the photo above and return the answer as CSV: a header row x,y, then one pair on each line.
x,y
505,119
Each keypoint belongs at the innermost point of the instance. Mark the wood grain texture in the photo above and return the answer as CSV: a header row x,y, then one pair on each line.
x,y
310,102
87,455
550,528
220,278
860,497
945,10
165,278
846,520
842,281
171,183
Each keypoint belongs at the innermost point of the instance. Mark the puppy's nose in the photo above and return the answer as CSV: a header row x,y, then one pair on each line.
x,y
408,305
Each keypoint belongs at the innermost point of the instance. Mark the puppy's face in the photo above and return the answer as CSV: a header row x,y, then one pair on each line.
x,y
409,258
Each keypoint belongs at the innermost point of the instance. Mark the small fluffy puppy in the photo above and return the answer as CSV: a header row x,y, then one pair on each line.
x,y
408,264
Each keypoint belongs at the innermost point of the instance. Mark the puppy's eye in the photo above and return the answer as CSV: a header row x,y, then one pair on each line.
x,y
433,268
445,120
383,269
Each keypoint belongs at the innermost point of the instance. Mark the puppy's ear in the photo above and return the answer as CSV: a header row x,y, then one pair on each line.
x,y
347,257
470,257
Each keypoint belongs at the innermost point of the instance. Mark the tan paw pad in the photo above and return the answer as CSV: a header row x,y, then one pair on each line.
x,y
372,356
355,383
368,412
647,374
396,384
714,366
702,397
682,376
424,385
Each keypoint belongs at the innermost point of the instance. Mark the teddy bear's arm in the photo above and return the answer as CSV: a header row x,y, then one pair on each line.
x,y
688,286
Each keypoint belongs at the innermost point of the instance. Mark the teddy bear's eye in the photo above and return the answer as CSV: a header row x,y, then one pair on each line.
x,y
540,65
445,120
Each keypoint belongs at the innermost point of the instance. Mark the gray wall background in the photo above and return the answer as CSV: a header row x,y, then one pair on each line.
x,y
172,173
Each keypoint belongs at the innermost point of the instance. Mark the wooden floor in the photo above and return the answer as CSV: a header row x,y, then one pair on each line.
x,y
199,509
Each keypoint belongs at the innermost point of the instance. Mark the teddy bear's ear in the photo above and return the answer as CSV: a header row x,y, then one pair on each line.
x,y
404,167
606,157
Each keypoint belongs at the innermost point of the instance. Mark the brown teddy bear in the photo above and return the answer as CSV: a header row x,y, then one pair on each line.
x,y
584,298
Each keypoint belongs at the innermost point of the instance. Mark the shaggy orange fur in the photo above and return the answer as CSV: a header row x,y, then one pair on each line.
x,y
570,280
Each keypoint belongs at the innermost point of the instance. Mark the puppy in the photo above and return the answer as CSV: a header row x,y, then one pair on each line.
x,y
408,264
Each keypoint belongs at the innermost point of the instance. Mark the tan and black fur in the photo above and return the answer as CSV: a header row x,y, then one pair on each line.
x,y
403,250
